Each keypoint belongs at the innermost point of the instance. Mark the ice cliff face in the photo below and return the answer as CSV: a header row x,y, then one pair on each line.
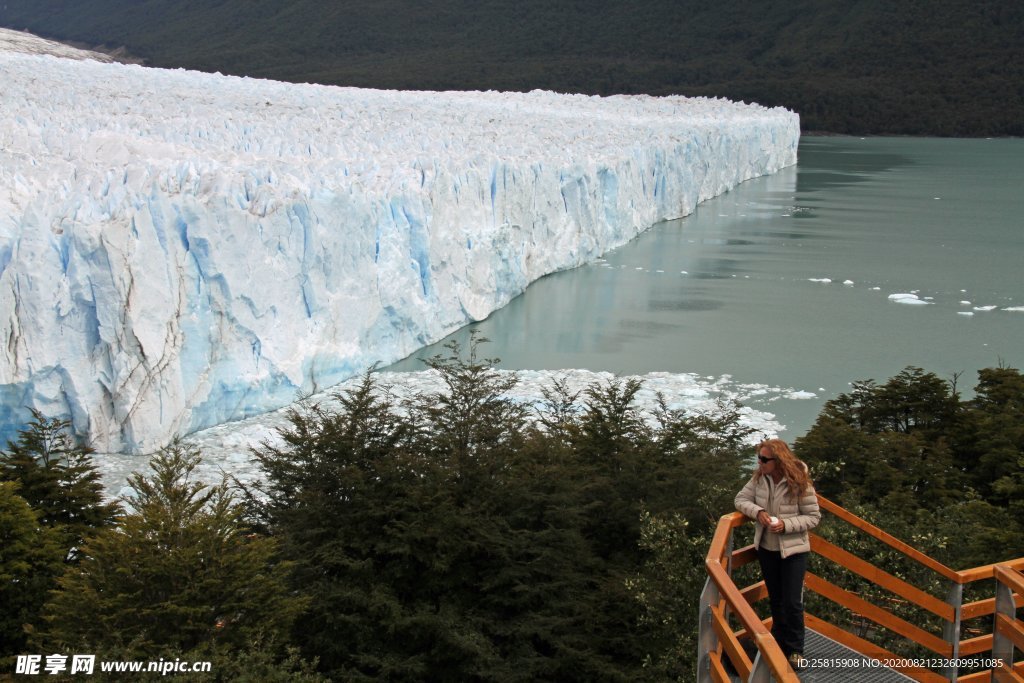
x,y
181,249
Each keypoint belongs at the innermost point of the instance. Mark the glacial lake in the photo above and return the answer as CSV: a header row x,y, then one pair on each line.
x,y
787,281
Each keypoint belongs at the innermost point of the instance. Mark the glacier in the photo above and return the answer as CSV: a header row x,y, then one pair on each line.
x,y
181,249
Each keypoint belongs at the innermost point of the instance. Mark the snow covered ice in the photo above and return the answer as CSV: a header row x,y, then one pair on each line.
x,y
179,250
227,448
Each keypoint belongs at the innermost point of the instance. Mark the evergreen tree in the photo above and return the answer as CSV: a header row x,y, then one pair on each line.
x,y
31,558
888,442
57,478
667,587
939,473
991,444
178,574
341,493
453,538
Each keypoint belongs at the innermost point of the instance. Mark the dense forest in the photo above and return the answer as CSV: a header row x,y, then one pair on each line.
x,y
941,67
463,536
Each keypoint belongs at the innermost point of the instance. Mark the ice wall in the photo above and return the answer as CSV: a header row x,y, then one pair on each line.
x,y
181,249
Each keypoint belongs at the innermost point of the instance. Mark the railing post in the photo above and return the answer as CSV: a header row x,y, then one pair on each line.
x,y
1002,647
760,672
951,630
707,640
728,554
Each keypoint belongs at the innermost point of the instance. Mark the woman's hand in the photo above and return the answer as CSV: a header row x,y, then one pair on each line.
x,y
765,520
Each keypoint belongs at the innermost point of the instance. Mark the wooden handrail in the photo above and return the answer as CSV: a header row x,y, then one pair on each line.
x,y
880,616
985,608
1010,577
720,541
1012,629
764,641
718,674
730,643
987,677
987,571
881,578
976,645
1005,674
754,592
733,598
744,556
889,540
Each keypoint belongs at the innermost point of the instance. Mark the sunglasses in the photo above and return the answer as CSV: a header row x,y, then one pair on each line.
x,y
764,460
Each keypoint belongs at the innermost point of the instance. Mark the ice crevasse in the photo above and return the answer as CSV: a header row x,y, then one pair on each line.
x,y
179,249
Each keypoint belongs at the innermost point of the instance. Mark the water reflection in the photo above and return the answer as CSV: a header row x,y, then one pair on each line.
x,y
688,305
820,159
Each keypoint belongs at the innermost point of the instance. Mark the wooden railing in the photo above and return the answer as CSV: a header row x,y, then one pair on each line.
x,y
720,646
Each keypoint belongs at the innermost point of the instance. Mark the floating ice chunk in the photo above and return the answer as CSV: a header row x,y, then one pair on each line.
x,y
985,308
965,303
1017,309
965,312
823,280
801,395
908,298
848,283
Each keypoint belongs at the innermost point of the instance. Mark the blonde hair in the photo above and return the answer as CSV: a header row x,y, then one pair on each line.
x,y
795,471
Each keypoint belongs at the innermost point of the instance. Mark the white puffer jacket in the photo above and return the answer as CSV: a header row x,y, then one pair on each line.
x,y
799,514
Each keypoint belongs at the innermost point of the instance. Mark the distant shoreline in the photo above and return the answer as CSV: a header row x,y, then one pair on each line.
x,y
830,134
122,56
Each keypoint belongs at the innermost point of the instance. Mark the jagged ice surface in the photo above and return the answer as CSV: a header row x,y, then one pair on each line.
x,y
179,249
227,449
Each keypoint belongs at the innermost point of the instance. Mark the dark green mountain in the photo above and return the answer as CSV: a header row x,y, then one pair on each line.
x,y
935,67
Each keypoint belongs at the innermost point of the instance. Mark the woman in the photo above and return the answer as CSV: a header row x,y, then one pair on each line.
x,y
780,498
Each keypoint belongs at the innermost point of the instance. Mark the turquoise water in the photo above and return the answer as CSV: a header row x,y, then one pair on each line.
x,y
735,288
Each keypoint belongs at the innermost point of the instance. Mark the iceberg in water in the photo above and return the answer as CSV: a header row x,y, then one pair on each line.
x,y
180,249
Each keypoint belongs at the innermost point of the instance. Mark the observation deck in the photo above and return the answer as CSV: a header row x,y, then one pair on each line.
x,y
914,620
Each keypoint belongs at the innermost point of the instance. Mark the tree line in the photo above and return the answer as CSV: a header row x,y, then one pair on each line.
x,y
459,535
947,67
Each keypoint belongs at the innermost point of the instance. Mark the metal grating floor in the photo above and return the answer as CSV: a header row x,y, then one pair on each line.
x,y
820,647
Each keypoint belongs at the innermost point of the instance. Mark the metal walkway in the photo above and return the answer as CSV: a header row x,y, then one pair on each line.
x,y
821,648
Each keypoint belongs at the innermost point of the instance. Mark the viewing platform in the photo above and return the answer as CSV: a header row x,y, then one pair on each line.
x,y
876,625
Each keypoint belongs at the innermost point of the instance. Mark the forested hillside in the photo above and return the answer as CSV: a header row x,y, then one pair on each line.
x,y
942,67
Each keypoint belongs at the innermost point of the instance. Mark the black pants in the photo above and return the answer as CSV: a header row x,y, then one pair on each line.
x,y
784,578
